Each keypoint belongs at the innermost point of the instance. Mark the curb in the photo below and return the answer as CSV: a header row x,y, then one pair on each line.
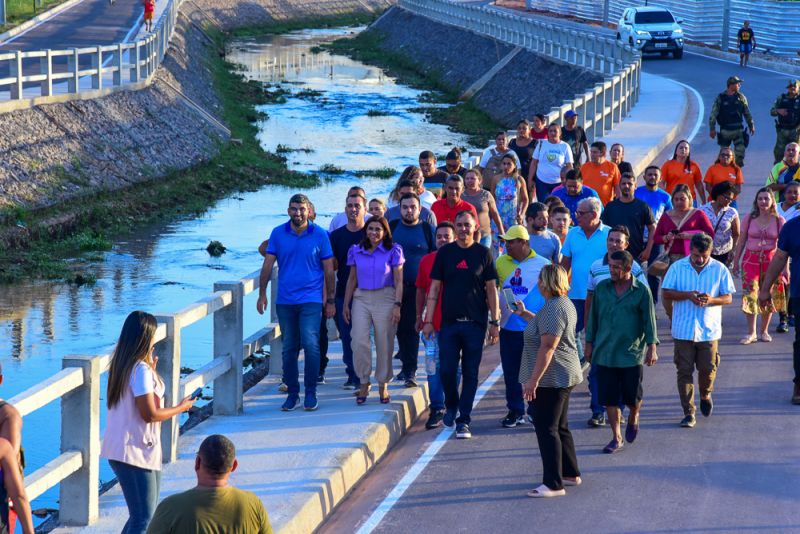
x,y
755,61
25,26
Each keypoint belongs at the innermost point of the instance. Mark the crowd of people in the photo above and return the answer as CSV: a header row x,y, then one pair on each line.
x,y
547,247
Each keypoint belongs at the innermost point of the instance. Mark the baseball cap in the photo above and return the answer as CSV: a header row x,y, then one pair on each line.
x,y
516,232
793,83
734,79
570,113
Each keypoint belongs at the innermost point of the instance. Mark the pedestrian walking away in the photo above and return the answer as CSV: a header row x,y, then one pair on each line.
x,y
149,12
620,336
213,505
699,286
760,230
303,251
518,271
786,111
788,249
549,369
375,289
745,42
729,109
416,238
469,296
445,233
135,402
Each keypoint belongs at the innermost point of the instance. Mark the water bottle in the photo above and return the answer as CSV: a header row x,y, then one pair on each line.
x,y
431,349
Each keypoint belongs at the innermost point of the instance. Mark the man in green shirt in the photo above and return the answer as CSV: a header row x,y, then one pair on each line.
x,y
212,505
620,329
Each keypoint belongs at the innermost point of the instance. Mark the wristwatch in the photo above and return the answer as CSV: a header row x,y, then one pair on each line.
x,y
494,323
398,303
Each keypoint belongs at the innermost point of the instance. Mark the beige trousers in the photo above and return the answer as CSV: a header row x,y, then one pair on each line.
x,y
373,309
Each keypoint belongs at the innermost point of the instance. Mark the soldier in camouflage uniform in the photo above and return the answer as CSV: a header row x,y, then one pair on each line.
x,y
728,110
787,123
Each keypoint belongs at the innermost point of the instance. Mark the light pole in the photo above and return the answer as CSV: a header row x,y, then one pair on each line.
x,y
605,12
726,24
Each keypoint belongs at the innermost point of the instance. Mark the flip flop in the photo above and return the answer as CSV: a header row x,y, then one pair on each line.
x,y
567,482
747,340
544,491
765,337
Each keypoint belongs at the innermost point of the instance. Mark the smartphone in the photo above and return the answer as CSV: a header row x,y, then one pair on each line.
x,y
511,299
196,394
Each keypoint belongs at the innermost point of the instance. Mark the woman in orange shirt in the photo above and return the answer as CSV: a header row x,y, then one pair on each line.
x,y
725,170
682,170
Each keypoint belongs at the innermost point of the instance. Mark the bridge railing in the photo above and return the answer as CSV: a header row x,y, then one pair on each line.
x,y
77,468
600,107
54,75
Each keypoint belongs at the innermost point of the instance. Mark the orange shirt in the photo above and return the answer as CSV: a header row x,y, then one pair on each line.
x,y
717,173
602,177
674,172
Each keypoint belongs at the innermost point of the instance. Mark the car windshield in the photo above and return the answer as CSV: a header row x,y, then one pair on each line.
x,y
654,17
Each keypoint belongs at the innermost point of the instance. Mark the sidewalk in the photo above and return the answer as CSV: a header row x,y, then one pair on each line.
x,y
301,464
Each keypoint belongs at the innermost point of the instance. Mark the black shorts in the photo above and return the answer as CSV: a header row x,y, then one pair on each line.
x,y
615,384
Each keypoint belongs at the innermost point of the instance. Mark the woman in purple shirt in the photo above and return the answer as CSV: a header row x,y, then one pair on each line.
x,y
375,287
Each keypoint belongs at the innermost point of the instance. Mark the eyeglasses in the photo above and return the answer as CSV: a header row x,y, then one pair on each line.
x,y
579,212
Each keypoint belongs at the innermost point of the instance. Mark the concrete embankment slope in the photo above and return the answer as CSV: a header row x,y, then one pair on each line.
x,y
55,153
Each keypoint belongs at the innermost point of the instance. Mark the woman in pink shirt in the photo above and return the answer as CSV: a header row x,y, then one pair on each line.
x,y
760,229
375,287
135,399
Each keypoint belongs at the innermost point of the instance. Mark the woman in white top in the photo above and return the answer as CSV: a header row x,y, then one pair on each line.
x,y
132,440
549,158
788,209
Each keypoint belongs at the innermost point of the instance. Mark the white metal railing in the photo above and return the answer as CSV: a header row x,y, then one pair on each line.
x,y
41,76
598,108
77,468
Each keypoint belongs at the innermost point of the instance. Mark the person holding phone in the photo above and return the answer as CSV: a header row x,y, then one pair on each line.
x,y
518,271
135,400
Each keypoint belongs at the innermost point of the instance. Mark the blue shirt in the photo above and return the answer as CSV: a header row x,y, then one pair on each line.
x,y
658,200
789,242
691,322
583,252
301,277
571,201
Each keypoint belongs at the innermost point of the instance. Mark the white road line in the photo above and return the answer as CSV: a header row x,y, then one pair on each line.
x,y
701,110
391,499
731,62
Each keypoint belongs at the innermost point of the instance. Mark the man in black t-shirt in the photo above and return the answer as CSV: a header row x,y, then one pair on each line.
x,y
635,215
468,298
341,240
746,42
575,137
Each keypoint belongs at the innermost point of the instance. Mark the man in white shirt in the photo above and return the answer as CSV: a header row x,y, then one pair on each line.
x,y
699,286
340,219
549,158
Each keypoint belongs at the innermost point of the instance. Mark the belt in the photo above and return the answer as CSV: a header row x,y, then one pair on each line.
x,y
463,319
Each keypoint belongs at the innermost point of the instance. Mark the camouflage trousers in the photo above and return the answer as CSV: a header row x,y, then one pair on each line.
x,y
736,137
783,137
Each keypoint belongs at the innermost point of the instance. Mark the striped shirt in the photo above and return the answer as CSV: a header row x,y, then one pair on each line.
x,y
691,322
600,271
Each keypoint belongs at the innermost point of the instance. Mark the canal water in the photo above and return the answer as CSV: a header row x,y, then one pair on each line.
x,y
344,113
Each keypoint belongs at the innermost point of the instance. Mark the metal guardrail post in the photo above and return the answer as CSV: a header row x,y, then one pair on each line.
x,y
276,345
16,72
118,73
73,83
169,367
97,67
46,68
80,430
228,335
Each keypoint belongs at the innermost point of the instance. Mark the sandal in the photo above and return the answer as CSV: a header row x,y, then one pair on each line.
x,y
362,394
765,337
383,391
747,340
577,481
544,491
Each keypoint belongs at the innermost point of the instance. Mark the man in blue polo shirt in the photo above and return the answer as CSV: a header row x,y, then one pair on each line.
x,y
585,244
303,251
573,191
659,202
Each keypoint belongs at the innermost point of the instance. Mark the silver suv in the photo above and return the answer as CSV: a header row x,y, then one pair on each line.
x,y
651,30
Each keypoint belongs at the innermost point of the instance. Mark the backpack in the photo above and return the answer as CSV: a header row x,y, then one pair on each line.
x,y
426,230
493,168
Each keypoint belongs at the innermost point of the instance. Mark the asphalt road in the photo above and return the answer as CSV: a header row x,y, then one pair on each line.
x,y
735,471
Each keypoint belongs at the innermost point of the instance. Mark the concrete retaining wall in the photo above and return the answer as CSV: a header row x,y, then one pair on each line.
x,y
527,85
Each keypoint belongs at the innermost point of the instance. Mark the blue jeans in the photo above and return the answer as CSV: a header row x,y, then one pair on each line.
x,y
140,487
511,343
300,327
435,388
486,241
461,342
580,308
594,403
344,335
543,190
653,281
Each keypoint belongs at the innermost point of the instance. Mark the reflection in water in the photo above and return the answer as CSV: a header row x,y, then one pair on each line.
x,y
165,267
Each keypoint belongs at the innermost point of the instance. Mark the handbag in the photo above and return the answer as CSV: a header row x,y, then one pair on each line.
x,y
660,265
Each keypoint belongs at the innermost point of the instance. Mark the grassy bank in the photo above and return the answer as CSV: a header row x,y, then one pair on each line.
x,y
462,117
41,244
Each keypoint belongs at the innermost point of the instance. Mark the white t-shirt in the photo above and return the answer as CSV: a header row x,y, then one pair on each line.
x,y
551,157
790,213
143,380
427,199
340,219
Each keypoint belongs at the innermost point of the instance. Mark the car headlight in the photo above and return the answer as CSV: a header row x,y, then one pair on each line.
x,y
642,33
677,33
